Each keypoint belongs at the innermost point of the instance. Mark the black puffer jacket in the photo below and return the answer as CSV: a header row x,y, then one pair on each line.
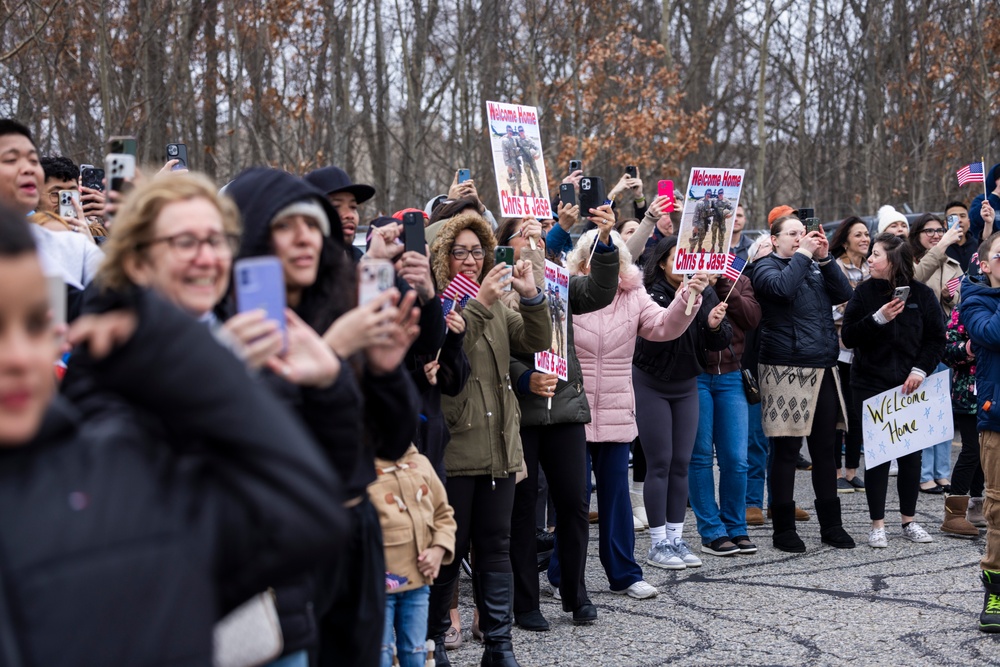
x,y
796,298
685,357
118,550
885,354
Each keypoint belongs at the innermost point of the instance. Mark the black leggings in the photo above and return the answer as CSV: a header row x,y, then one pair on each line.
x,y
967,477
821,440
853,439
561,449
482,518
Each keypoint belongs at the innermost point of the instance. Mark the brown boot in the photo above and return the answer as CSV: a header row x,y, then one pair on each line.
x,y
975,513
800,514
955,522
755,517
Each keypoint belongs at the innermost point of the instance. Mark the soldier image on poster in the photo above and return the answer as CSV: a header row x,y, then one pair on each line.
x,y
704,214
722,209
528,151
558,314
511,159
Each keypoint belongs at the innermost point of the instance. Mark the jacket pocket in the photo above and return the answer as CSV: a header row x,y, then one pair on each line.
x,y
457,414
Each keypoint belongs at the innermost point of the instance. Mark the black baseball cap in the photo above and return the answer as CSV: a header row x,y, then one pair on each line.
x,y
332,180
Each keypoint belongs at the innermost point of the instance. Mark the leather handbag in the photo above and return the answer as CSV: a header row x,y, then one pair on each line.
x,y
750,386
249,635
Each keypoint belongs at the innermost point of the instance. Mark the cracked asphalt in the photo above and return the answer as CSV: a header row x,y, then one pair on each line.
x,y
909,604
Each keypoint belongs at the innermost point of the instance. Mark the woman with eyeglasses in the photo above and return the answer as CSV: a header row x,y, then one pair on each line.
x,y
930,239
485,454
796,287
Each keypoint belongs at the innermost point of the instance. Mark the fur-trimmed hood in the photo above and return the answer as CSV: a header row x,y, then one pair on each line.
x,y
630,280
445,239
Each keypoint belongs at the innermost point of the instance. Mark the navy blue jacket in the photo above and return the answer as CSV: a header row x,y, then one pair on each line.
x,y
976,222
980,314
796,298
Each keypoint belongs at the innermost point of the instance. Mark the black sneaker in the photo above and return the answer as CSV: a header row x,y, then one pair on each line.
x,y
857,483
803,463
989,619
720,547
744,544
843,486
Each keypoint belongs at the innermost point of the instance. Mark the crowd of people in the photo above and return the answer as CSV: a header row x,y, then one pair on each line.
x,y
332,467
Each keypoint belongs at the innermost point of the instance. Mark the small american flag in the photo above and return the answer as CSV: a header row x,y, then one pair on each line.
x,y
394,581
734,267
972,173
459,286
447,305
953,284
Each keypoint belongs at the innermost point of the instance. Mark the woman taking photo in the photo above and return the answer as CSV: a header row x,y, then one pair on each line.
x,y
796,287
930,239
896,341
850,246
665,379
485,453
605,341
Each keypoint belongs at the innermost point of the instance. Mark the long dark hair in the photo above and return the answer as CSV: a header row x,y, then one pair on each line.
x,y
916,229
899,253
651,271
838,244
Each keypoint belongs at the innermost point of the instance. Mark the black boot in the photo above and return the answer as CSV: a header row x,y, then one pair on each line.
x,y
831,529
439,619
785,538
495,600
989,619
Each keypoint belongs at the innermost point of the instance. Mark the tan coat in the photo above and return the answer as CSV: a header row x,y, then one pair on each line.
x,y
935,269
414,513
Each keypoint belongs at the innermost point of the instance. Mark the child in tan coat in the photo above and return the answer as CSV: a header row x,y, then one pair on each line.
x,y
418,534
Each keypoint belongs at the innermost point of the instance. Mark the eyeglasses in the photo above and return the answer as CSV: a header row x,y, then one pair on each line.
x,y
938,231
793,235
462,253
187,245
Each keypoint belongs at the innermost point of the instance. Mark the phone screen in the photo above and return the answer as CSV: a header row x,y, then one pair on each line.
x,y
260,284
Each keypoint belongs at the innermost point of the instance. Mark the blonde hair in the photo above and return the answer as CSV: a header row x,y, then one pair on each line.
x,y
41,217
135,221
580,253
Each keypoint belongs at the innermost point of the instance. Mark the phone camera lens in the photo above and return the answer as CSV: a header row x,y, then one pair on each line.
x,y
172,150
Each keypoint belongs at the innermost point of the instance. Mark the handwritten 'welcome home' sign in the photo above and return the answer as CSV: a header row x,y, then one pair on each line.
x,y
895,425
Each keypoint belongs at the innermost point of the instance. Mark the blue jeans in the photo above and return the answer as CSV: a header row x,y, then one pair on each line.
x,y
935,462
616,531
406,613
723,421
758,460
297,659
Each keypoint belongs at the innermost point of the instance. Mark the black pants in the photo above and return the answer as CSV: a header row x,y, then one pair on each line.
x,y
853,439
351,628
482,518
638,462
821,440
967,477
561,449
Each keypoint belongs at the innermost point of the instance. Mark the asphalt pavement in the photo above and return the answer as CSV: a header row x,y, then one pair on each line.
x,y
908,604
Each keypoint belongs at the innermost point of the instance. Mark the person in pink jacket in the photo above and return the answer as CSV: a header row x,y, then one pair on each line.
x,y
605,341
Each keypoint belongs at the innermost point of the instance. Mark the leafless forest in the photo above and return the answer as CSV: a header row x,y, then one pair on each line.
x,y
839,104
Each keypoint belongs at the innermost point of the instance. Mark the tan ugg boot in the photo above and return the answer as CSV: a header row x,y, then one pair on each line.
x,y
955,522
975,514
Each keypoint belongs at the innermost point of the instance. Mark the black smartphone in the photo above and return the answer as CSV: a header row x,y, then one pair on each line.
x,y
178,152
92,177
592,194
632,171
126,145
567,194
575,165
464,175
504,254
413,232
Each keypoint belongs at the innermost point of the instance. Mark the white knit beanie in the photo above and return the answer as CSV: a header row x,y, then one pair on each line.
x,y
309,208
888,215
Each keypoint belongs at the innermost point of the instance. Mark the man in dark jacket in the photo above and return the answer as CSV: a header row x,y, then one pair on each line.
x,y
117,549
977,226
345,196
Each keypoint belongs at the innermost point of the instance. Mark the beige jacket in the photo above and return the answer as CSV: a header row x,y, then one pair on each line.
x,y
935,269
414,513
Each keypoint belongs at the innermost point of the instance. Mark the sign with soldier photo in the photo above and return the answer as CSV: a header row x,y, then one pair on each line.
x,y
553,360
707,220
517,160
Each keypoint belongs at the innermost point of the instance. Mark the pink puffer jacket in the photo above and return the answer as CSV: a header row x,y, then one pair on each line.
x,y
605,341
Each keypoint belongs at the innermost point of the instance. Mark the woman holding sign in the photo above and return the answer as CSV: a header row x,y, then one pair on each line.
x,y
898,337
796,287
485,453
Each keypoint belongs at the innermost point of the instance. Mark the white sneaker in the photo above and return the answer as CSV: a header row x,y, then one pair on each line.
x,y
682,549
877,538
914,533
637,524
893,468
555,592
662,554
640,590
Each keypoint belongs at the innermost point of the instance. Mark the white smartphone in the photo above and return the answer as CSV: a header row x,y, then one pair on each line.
x,y
118,168
902,293
66,199
374,277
